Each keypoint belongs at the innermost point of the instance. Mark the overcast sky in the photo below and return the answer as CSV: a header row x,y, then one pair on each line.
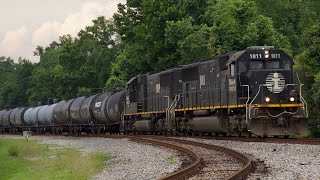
x,y
24,24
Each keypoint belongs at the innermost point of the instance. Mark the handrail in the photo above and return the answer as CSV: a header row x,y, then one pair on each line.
x,y
254,99
167,109
301,97
247,121
305,104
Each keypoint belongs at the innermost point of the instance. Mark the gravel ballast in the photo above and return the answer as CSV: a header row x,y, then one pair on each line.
x,y
277,161
130,160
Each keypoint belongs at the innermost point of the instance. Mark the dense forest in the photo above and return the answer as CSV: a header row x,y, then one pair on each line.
x,y
152,35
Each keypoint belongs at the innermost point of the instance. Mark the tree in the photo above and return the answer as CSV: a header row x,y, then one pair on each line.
x,y
308,64
291,18
157,35
76,66
14,81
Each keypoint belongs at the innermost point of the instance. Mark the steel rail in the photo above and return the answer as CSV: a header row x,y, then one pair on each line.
x,y
191,169
246,161
183,173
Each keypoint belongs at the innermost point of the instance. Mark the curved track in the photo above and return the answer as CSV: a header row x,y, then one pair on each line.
x,y
194,167
240,173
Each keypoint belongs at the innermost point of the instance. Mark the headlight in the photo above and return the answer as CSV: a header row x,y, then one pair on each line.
x,y
291,99
266,54
267,99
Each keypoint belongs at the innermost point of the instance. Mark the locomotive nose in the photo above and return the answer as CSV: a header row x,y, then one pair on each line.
x,y
281,121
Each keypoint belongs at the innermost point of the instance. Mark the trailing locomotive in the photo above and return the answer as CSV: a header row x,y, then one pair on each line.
x,y
250,91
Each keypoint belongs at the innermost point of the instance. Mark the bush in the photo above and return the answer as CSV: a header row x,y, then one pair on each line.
x,y
13,151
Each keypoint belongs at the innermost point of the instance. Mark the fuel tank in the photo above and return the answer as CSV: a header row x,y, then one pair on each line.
x,y
143,125
209,124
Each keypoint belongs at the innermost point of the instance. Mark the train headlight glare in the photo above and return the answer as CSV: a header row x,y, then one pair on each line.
x,y
267,99
291,99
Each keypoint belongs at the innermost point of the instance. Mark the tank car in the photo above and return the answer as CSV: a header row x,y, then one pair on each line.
x,y
250,91
2,126
27,118
61,118
86,109
75,110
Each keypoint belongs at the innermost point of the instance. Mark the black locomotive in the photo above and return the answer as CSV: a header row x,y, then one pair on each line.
x,y
250,91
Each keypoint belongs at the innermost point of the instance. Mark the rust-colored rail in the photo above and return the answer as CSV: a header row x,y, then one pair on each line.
x,y
183,173
245,160
193,168
306,141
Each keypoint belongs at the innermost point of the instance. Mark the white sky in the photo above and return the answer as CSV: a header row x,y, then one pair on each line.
x,y
24,24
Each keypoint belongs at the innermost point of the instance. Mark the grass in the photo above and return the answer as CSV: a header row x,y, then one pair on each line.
x,y
305,135
171,159
21,160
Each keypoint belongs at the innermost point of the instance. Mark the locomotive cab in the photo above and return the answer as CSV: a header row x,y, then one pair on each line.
x,y
273,102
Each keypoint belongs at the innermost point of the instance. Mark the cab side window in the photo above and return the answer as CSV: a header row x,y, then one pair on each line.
x,y
242,66
287,65
232,70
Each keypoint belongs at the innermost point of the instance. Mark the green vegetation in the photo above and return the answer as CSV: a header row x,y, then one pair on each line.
x,y
153,35
171,159
29,160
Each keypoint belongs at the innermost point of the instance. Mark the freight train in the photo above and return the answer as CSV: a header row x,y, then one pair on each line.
x,y
246,92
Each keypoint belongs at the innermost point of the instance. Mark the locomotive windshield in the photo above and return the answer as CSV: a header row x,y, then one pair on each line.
x,y
270,64
256,64
274,64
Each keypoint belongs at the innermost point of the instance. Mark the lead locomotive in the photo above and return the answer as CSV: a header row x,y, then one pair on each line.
x,y
250,91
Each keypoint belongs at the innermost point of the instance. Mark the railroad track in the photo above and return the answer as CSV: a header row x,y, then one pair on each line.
x,y
193,167
307,141
218,162
222,163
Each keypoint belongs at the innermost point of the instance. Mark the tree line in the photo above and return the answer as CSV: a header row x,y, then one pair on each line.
x,y
153,35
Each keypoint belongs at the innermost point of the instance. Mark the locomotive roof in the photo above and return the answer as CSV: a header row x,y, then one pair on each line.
x,y
235,56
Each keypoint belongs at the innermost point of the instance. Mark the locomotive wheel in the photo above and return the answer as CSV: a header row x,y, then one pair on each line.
x,y
217,134
286,136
